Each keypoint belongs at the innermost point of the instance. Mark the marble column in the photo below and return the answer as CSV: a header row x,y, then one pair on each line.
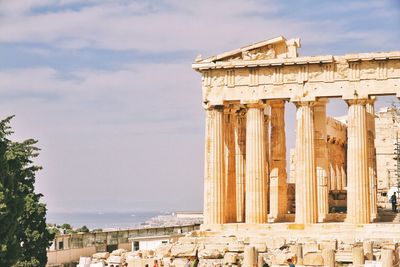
x,y
278,178
230,168
267,116
358,197
214,180
306,182
372,157
256,186
240,148
321,157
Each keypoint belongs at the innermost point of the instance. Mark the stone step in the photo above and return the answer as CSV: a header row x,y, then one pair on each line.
x,y
343,256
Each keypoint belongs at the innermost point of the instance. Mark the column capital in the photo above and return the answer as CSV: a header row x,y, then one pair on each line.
x,y
304,103
357,101
241,111
231,109
321,101
254,104
208,106
371,100
276,103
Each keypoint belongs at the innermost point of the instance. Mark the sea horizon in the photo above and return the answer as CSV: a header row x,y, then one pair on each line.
x,y
103,220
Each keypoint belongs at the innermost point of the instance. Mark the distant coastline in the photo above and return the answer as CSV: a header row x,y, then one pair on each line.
x,y
103,220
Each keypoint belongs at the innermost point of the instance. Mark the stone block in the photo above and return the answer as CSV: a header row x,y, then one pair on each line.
x,y
275,243
260,247
391,246
118,252
184,250
313,258
163,251
249,256
210,253
310,248
101,255
210,262
328,244
236,247
189,240
115,259
222,239
230,258
221,247
297,250
281,257
265,257
179,262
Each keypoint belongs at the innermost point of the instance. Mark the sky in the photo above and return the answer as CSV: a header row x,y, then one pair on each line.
x,y
107,88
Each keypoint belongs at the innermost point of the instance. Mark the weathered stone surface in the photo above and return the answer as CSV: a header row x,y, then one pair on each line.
x,y
275,243
230,258
313,258
358,256
265,257
222,240
189,240
260,247
329,257
387,258
236,247
327,244
249,257
184,250
391,246
179,262
310,248
115,259
368,249
101,255
163,250
281,257
210,262
297,250
118,252
210,253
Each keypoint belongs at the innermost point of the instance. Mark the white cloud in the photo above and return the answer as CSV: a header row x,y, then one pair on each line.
x,y
179,25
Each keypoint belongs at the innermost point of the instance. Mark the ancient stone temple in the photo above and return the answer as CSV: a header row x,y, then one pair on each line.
x,y
244,94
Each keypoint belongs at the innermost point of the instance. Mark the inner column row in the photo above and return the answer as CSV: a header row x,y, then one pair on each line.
x,y
312,167
237,173
236,163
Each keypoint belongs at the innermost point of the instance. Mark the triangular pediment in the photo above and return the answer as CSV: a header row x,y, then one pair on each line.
x,y
277,47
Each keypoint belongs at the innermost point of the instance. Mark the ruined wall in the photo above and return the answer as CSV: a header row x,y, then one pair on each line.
x,y
337,137
337,179
387,127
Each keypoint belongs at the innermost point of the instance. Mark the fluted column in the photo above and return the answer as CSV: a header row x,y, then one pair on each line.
x,y
358,197
230,168
321,157
240,148
256,186
372,157
214,180
267,116
306,183
278,178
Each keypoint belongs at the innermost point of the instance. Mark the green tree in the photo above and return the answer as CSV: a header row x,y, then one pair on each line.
x,y
24,236
66,226
83,229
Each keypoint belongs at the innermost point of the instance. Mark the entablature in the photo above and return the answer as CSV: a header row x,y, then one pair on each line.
x,y
302,78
